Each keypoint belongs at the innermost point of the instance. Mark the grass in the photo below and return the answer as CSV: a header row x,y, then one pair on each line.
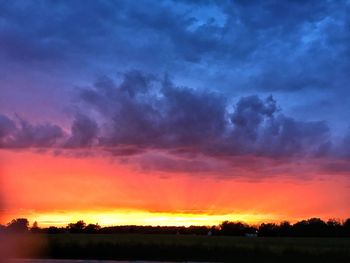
x,y
183,248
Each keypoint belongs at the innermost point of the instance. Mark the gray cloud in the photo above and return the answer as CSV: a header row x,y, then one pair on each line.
x,y
144,112
224,50
24,134
250,113
83,132
286,136
276,46
156,114
343,149
260,129
155,125
7,126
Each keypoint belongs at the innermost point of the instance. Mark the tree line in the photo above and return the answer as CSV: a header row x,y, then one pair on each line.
x,y
313,227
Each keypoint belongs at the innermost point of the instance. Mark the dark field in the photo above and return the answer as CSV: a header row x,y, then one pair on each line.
x,y
181,248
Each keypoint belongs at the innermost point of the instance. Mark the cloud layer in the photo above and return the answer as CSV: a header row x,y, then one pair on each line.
x,y
227,58
145,112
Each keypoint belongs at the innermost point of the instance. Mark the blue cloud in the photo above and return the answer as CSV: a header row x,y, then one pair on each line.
x,y
224,50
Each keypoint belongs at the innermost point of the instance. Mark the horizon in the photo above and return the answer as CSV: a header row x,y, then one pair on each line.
x,y
331,222
174,112
140,218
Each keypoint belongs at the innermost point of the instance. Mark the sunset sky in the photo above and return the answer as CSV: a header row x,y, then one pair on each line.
x,y
174,112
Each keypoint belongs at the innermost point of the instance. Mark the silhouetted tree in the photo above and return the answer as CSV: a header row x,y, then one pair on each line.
x,y
334,228
234,228
313,227
55,230
215,230
77,227
269,229
92,228
35,228
285,229
346,227
19,225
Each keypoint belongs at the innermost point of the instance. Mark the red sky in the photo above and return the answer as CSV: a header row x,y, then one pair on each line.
x,y
58,189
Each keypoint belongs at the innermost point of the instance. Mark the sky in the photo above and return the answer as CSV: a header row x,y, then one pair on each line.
x,y
174,112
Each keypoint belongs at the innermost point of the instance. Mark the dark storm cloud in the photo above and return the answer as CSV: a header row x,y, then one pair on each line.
x,y
83,132
147,121
250,113
144,112
274,45
260,129
223,50
343,148
147,112
290,46
19,133
24,134
53,30
7,126
285,136
150,112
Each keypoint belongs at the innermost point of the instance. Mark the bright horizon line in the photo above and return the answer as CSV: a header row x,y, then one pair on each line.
x,y
136,217
144,218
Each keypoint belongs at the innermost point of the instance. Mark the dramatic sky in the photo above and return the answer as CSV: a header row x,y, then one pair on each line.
x,y
164,112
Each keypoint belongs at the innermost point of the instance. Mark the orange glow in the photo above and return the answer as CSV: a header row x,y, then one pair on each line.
x,y
134,217
57,190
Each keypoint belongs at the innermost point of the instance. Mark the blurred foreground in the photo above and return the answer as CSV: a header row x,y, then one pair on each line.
x,y
178,248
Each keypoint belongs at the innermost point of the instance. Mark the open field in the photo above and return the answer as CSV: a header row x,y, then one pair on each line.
x,y
182,247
